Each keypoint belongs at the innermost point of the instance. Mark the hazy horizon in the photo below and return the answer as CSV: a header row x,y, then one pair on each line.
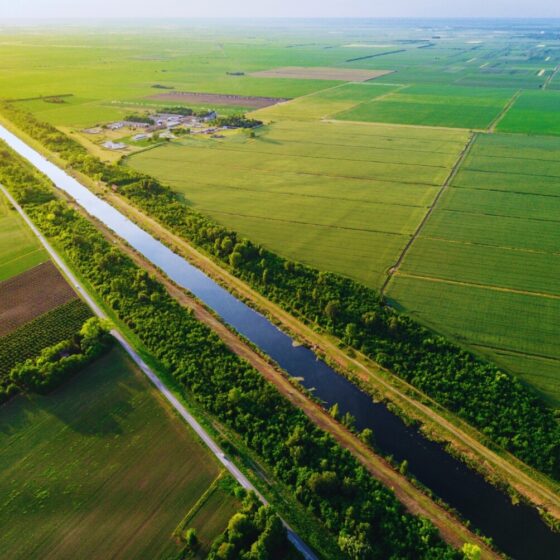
x,y
409,9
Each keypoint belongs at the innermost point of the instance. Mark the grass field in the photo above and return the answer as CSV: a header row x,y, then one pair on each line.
x,y
341,197
19,248
491,250
100,469
535,112
324,103
449,106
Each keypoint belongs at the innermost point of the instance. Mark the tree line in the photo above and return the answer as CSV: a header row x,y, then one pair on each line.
x,y
364,517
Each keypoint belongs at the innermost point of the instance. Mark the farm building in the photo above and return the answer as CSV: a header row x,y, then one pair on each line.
x,y
114,145
115,126
142,136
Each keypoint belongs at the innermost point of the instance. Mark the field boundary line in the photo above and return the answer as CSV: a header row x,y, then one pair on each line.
x,y
299,222
544,295
198,505
298,543
503,112
504,350
452,174
548,81
404,125
222,148
492,246
398,88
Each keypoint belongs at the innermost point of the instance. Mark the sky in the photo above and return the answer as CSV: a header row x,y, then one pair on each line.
x,y
32,9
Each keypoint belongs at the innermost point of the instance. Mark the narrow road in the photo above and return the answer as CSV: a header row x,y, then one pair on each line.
x,y
298,543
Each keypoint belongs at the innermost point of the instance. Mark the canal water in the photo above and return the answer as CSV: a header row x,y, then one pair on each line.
x,y
516,530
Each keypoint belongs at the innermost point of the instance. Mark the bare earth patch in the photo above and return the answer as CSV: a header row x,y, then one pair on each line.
x,y
30,294
218,99
322,73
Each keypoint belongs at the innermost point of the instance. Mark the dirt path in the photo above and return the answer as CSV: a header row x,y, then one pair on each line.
x,y
503,112
431,208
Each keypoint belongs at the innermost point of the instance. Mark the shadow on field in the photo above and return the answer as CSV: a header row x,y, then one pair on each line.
x,y
96,402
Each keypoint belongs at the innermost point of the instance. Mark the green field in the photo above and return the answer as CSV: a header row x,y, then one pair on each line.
x,y
449,106
102,468
342,197
535,112
491,251
325,103
19,248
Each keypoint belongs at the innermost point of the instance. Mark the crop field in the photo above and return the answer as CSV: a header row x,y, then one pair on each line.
x,y
19,249
491,250
535,112
30,294
325,102
100,469
342,197
49,328
449,106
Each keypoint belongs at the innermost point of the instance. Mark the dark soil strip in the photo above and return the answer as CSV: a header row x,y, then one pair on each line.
x,y
375,55
30,294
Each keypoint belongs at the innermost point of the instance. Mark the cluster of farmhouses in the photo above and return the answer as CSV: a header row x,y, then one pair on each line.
x,y
161,123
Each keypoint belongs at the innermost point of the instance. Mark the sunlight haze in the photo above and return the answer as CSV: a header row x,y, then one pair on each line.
x,y
30,9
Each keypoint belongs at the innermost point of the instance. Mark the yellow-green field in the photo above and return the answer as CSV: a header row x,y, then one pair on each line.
x,y
102,468
491,252
19,248
342,197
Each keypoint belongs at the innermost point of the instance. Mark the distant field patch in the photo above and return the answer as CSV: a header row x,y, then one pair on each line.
x,y
535,112
322,73
211,99
326,102
486,266
19,248
448,106
30,294
102,468
341,197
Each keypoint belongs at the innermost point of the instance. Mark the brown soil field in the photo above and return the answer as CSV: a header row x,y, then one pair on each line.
x,y
30,294
218,99
319,73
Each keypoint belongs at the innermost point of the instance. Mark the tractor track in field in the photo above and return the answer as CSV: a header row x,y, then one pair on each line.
x,y
452,174
478,285
503,112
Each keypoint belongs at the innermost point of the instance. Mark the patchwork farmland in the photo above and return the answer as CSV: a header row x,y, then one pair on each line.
x,y
491,249
422,162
